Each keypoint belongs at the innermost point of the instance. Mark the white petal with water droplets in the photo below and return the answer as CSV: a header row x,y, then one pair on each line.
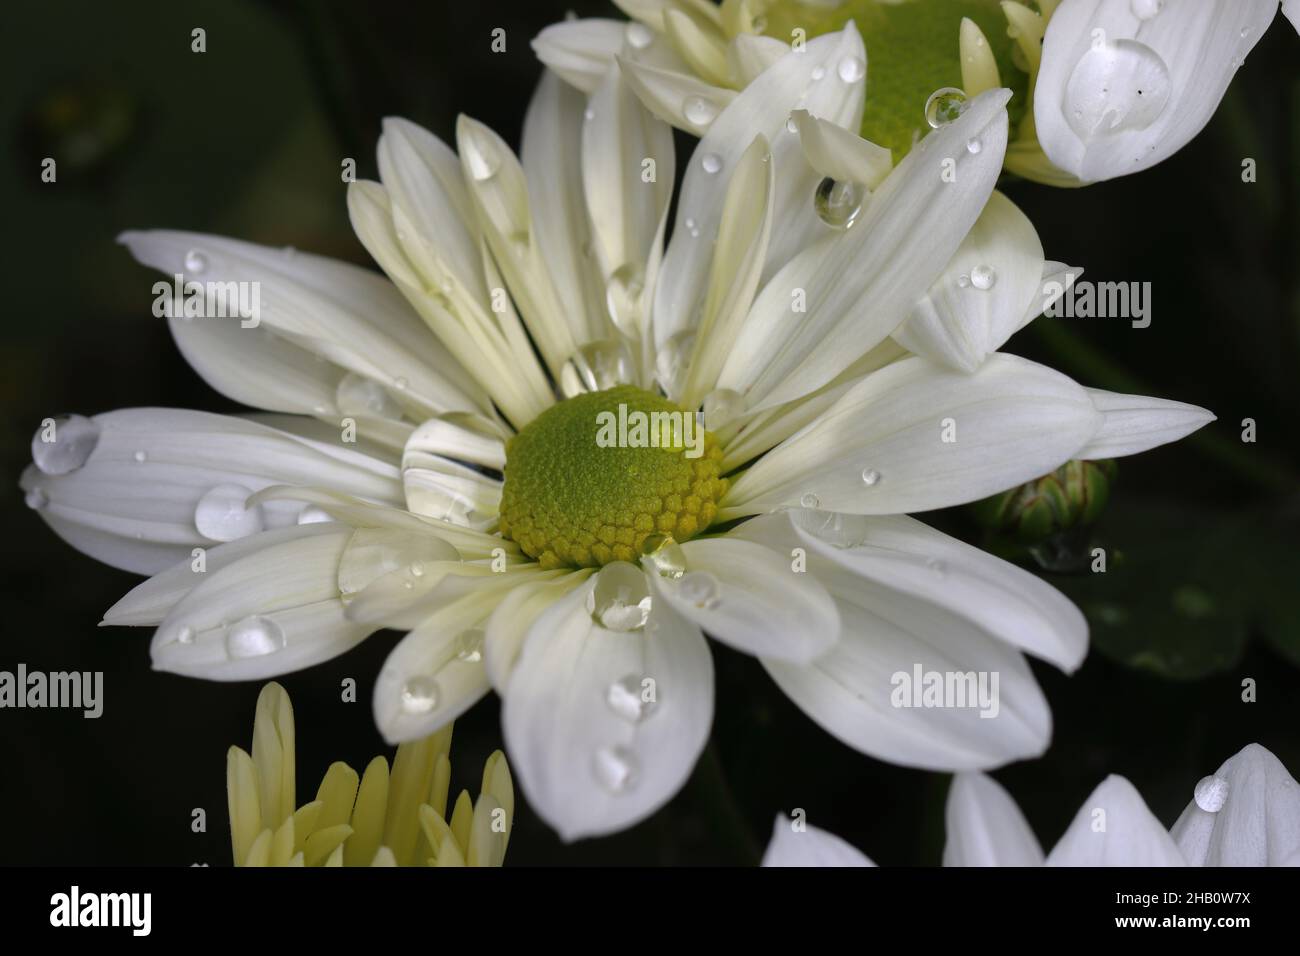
x,y
858,284
514,616
959,324
881,450
1136,423
1115,103
1114,827
985,827
585,767
841,154
667,94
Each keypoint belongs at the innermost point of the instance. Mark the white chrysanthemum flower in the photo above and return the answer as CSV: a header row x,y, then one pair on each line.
x,y
1245,814
1116,86
381,818
580,587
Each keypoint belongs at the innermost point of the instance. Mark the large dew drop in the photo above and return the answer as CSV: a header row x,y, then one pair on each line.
x,y
1116,87
944,105
838,203
222,514
254,636
419,695
615,768
64,446
627,698
621,600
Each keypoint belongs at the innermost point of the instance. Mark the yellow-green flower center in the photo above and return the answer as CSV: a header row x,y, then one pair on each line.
x,y
913,49
588,480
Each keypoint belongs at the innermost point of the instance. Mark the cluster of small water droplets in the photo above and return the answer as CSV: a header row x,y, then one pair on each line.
x,y
222,514
71,440
595,367
1211,793
838,202
628,699
944,105
254,636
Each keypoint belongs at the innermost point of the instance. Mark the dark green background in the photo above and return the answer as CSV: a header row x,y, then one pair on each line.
x,y
247,140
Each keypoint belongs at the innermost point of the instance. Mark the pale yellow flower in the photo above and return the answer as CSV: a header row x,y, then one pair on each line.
x,y
383,818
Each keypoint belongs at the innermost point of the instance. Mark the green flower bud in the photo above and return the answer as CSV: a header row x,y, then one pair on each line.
x,y
1073,496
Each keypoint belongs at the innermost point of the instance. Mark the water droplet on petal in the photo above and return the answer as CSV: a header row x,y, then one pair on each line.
x,y
838,203
615,768
417,569
1116,87
1211,793
620,600
185,635
481,157
140,457
221,514
983,277
36,499
791,126
817,73
711,163
420,695
973,146
851,69
664,556
699,588
963,281
809,500
944,105
623,298
673,361
72,439
639,36
624,698
1145,9
870,477
699,111
254,636
195,262
364,397
595,367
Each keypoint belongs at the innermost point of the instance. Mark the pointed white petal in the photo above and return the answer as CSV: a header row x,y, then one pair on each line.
x,y
749,55
592,755
271,612
985,827
1116,102
514,617
1115,828
580,51
841,153
680,99
1136,423
809,846
881,448
1258,824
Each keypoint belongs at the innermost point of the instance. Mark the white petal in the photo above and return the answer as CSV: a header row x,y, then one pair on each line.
x,y
841,153
511,621
858,284
865,689
749,55
271,612
1258,825
668,94
551,155
985,827
960,321
881,450
580,51
1115,828
133,503
347,315
906,555
809,846
763,108
751,598
1291,10
1116,102
461,438
1136,423
440,488
586,763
